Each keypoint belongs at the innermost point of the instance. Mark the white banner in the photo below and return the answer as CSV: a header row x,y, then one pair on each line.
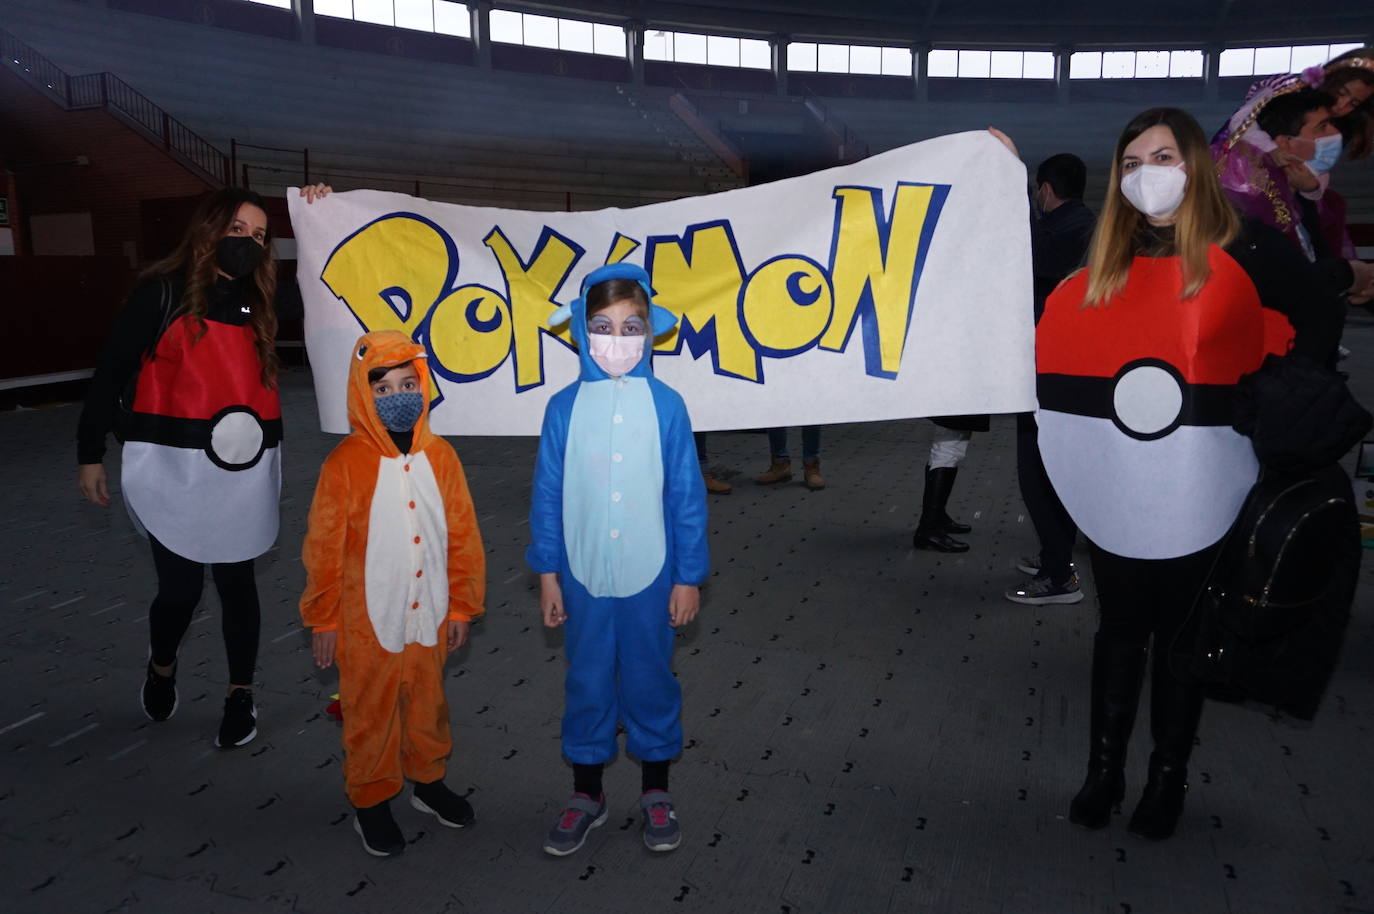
x,y
896,287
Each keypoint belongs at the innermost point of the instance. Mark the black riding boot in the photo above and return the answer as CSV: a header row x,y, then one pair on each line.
x,y
1175,709
930,530
950,524
1118,670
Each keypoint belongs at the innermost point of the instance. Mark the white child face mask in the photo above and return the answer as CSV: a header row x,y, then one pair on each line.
x,y
616,355
1155,190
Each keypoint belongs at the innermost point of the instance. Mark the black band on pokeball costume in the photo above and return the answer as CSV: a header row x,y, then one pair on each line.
x,y
195,434
1203,404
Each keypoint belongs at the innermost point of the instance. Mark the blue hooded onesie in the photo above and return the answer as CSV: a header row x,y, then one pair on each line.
x,y
619,512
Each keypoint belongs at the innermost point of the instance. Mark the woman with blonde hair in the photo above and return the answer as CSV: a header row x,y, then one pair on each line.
x,y
188,383
1138,356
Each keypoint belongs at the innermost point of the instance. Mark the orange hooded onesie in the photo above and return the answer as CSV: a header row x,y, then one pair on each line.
x,y
391,555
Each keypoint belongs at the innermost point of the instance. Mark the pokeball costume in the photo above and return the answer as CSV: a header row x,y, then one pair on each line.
x,y
201,470
392,554
618,511
1137,398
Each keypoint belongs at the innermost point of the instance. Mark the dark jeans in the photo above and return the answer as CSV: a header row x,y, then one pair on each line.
x,y
1052,523
811,443
179,585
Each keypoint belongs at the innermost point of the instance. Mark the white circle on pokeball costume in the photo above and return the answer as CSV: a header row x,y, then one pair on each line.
x,y
1147,399
236,438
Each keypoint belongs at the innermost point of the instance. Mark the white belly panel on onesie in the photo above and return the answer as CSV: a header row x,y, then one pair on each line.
x,y
406,573
613,488
199,510
1147,499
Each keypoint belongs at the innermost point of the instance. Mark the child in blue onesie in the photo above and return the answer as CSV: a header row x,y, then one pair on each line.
x,y
618,521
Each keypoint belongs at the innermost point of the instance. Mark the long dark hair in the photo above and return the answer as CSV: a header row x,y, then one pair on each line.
x,y
1205,217
194,260
1357,127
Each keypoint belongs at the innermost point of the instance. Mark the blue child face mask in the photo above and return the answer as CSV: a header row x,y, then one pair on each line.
x,y
1328,153
399,412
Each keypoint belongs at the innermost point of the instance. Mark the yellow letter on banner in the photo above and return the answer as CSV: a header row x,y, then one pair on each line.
x,y
786,305
875,268
470,333
530,292
390,273
702,283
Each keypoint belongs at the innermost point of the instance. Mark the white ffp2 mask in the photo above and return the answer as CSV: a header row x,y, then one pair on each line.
x,y
1155,190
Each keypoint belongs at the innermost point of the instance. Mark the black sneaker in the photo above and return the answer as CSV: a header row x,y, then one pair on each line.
x,y
159,695
443,804
381,835
240,723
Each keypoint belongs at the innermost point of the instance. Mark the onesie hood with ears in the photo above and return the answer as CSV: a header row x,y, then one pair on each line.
x,y
661,320
385,349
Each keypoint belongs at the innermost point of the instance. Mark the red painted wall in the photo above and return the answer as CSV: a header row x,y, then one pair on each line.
x,y
41,143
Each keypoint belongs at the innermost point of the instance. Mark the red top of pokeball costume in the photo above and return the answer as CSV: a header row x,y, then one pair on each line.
x,y
1213,338
190,378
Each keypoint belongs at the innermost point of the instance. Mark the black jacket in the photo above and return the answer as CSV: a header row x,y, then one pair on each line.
x,y
1059,243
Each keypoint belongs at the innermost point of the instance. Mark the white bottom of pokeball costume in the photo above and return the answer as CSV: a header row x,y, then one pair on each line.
x,y
1158,499
199,510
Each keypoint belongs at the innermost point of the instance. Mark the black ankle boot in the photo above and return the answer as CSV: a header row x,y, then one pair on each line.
x,y
1118,670
1157,814
1175,709
931,532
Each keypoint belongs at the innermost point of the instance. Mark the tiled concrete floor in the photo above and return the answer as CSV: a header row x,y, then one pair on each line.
x,y
870,729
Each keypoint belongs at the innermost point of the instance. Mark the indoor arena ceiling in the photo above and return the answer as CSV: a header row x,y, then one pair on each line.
x,y
1011,22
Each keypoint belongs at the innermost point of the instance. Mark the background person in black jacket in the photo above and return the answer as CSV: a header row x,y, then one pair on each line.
x,y
1061,227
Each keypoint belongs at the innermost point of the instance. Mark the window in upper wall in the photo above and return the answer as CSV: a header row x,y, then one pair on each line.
x,y
279,4
1285,59
511,27
864,59
979,64
714,50
442,16
1136,64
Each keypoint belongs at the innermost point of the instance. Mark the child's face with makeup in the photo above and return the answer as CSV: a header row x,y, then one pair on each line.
x,y
619,318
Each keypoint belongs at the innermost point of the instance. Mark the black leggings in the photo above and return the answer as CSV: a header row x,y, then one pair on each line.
x,y
1140,598
179,584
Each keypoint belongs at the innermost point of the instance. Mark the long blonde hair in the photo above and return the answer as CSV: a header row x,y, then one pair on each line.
x,y
1204,218
193,260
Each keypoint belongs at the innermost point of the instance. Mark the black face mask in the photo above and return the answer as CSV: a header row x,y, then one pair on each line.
x,y
238,255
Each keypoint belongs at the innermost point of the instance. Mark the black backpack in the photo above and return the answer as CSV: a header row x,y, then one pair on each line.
x,y
1269,624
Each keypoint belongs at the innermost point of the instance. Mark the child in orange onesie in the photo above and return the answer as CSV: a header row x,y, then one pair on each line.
x,y
396,574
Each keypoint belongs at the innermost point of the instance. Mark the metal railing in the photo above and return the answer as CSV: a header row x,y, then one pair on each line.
x,y
133,108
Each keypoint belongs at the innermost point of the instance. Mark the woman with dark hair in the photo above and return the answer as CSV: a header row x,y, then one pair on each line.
x,y
1275,154
188,383
1137,358
1349,79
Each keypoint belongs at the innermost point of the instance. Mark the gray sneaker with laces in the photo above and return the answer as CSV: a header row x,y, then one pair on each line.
x,y
580,816
1040,591
661,831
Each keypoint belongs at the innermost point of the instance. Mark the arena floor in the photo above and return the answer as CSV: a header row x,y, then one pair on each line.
x,y
870,729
